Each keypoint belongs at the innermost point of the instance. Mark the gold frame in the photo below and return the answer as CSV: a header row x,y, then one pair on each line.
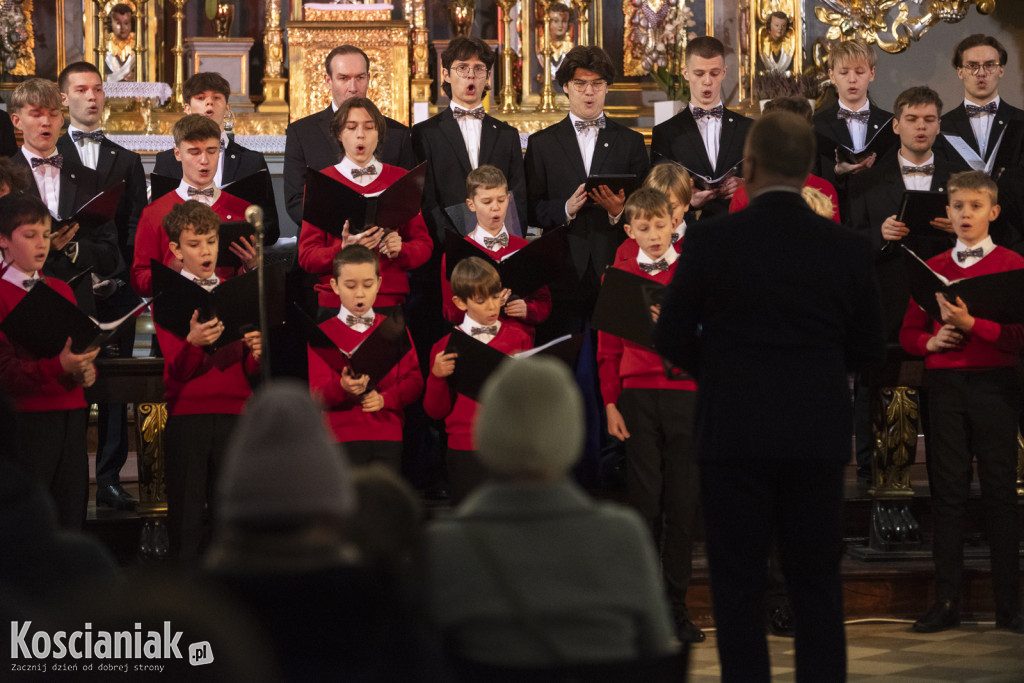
x,y
151,67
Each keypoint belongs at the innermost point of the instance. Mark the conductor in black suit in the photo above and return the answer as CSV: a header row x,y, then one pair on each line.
x,y
983,116
81,88
308,141
207,93
463,136
705,137
770,308
558,161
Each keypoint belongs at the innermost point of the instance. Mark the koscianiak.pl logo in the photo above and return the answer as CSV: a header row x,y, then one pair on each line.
x,y
86,649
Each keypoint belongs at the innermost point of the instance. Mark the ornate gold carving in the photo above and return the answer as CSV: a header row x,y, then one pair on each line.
x,y
273,47
346,15
895,417
869,19
420,37
150,420
178,51
261,123
17,38
386,44
508,91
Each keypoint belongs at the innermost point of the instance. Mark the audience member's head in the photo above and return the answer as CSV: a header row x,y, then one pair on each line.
x,y
387,526
535,391
779,150
14,178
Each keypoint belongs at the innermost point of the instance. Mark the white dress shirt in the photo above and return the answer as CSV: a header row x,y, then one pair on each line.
x,y
587,140
471,128
194,278
17,277
922,183
468,324
346,166
209,201
88,150
858,130
711,132
47,179
479,234
986,245
982,124
680,231
344,313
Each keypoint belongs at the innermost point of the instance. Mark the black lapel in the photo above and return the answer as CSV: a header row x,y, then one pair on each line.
x,y
453,134
232,160
727,139
999,121
488,138
840,132
566,136
941,176
20,160
877,119
70,178
690,145
67,148
607,140
323,122
105,162
957,123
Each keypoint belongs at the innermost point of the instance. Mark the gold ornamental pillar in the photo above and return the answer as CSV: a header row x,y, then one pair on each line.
x,y
508,91
179,57
582,8
547,92
273,47
420,81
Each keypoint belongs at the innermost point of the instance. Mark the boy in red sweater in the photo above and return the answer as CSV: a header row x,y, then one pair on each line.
x,y
367,421
654,415
47,392
973,404
197,146
477,292
674,181
359,128
487,196
205,392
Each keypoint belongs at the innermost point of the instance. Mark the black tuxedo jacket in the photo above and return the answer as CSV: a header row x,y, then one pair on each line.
x,y
956,122
78,185
876,194
769,309
308,143
239,162
438,141
8,143
828,124
554,169
114,164
679,139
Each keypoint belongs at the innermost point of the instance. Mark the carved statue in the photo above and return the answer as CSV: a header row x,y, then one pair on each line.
x,y
559,27
776,44
120,48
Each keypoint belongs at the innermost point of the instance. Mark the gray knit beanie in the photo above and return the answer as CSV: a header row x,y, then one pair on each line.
x,y
530,418
280,464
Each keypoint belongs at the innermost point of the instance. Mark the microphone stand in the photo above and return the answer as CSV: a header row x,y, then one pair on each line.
x,y
254,215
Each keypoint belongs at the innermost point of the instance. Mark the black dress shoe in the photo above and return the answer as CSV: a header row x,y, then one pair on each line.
x,y
780,622
114,496
943,615
1014,623
687,632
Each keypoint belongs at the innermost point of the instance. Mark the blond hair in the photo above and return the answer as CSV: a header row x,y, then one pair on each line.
x,y
673,180
818,201
851,51
35,92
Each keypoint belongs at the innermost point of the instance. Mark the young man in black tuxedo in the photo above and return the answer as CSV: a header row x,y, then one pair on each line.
x,y
705,137
207,93
81,90
309,142
558,161
980,62
63,184
463,136
727,319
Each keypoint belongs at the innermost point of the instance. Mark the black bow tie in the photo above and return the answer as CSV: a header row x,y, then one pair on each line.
x,y
656,267
501,240
369,170
713,113
353,320
676,237
31,282
927,169
95,136
581,126
974,110
57,160
476,113
492,330
207,282
962,256
858,116
193,191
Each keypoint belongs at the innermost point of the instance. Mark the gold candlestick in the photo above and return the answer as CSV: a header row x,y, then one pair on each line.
x,y
547,92
179,58
582,8
508,91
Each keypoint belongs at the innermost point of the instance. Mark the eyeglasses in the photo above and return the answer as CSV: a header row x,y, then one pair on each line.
x,y
581,86
467,71
973,67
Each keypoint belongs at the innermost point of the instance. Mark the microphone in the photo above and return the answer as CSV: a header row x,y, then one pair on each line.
x,y
254,217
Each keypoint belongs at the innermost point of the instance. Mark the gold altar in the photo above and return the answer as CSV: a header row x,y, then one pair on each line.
x,y
385,42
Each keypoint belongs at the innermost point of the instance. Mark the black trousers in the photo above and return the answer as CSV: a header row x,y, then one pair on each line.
x,y
194,446
465,473
366,452
973,415
52,449
799,501
661,478
112,418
